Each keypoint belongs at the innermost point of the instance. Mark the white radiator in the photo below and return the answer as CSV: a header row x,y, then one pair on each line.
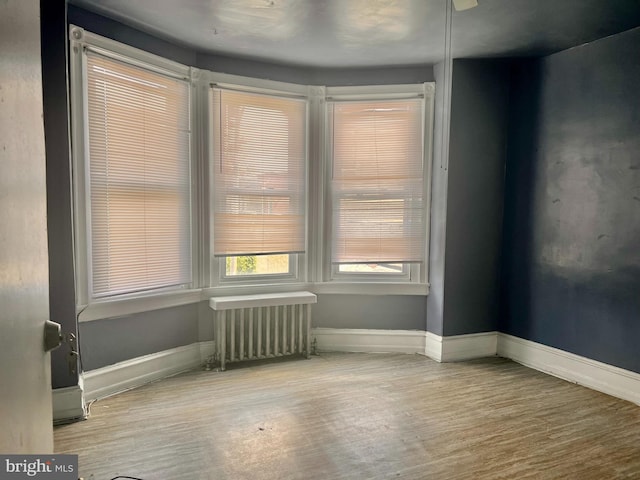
x,y
252,327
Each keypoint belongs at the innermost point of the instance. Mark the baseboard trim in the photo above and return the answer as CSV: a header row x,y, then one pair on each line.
x,y
207,350
599,376
433,346
458,348
441,349
368,340
68,404
129,374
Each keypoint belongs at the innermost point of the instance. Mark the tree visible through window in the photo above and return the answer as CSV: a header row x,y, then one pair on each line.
x,y
258,265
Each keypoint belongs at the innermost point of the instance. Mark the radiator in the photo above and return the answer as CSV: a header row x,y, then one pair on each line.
x,y
253,327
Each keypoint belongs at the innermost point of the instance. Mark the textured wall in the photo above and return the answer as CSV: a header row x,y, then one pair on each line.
x,y
571,276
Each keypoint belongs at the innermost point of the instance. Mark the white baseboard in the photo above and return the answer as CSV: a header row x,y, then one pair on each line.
x,y
441,349
584,371
207,350
466,347
68,403
369,341
457,348
126,375
433,346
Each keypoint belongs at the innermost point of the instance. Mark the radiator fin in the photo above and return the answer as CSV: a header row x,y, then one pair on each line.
x,y
260,332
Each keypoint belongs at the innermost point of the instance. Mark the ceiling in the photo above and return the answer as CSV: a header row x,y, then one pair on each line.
x,y
363,33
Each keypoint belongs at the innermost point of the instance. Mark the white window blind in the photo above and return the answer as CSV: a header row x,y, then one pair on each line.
x,y
139,188
377,184
259,151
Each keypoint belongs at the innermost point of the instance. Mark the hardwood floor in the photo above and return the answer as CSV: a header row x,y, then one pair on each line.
x,y
359,416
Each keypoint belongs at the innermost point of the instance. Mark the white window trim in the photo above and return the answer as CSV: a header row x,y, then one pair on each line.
x,y
313,268
89,308
408,274
218,280
417,276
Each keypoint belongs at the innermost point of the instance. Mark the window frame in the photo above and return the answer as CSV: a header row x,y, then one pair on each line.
x,y
404,275
311,270
414,274
253,278
81,41
297,275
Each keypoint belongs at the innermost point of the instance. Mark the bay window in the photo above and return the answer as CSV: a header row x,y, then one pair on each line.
x,y
192,183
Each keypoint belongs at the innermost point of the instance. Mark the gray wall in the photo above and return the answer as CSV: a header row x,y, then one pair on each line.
x,y
571,276
393,312
467,187
477,151
104,342
62,296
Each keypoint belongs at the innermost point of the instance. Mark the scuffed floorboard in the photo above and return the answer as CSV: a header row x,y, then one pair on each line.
x,y
359,416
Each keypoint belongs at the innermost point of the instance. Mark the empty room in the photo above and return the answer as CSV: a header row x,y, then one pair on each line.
x,y
309,239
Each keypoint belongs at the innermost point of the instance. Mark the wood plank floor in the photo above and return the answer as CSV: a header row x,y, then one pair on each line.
x,y
359,416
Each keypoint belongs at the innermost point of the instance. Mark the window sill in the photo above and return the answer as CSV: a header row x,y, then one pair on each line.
x,y
255,289
334,287
102,309
262,300
117,307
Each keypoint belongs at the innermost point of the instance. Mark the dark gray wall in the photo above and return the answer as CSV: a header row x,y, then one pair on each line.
x,y
62,296
477,151
467,196
104,342
392,312
571,275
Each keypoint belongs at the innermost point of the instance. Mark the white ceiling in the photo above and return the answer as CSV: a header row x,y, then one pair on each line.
x,y
361,33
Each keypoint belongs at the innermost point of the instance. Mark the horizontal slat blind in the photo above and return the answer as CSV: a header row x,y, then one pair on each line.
x,y
377,184
139,178
259,173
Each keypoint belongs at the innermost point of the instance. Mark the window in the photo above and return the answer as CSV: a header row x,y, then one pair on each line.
x,y
259,183
136,166
326,187
377,187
